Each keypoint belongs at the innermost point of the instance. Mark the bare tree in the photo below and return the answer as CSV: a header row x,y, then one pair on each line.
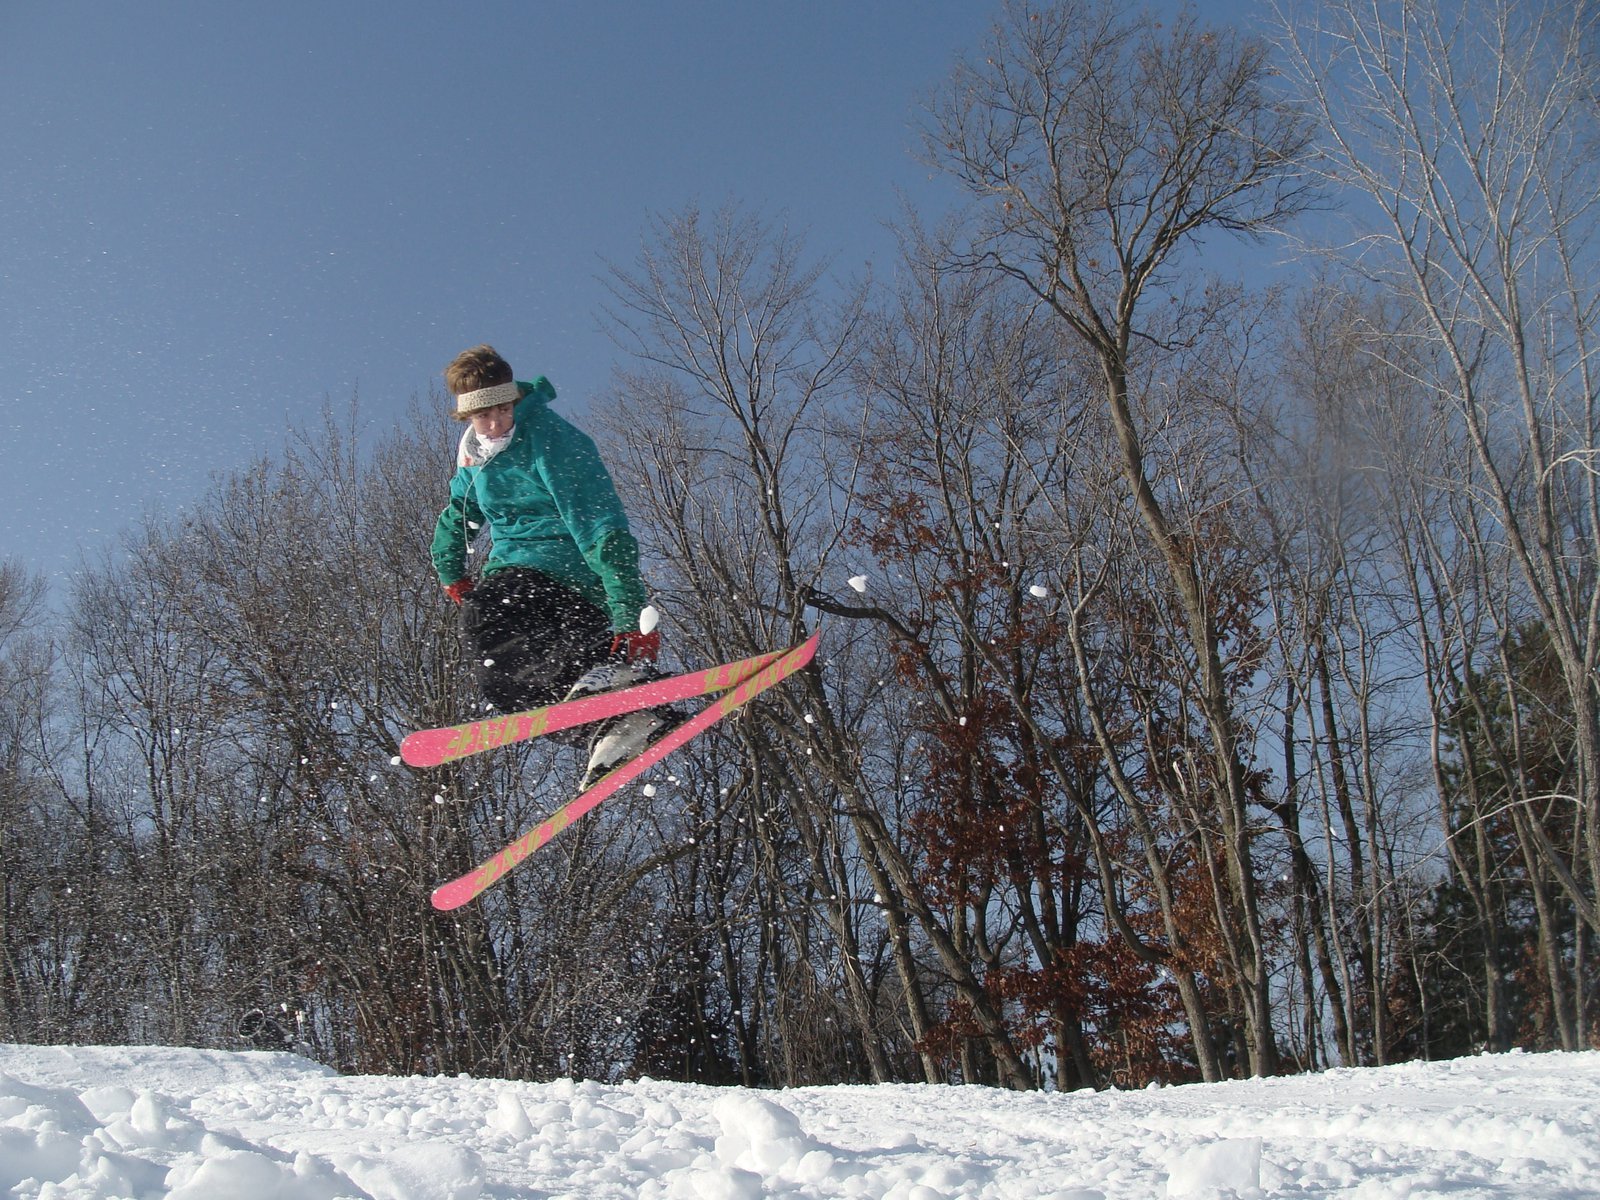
x,y
25,816
1469,135
1100,148
744,361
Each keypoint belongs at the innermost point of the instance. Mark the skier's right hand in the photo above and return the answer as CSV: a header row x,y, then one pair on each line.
x,y
459,590
636,647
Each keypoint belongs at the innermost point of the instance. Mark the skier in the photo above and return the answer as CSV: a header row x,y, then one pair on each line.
x,y
555,613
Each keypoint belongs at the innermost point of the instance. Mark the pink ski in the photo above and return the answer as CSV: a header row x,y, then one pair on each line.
x,y
777,668
430,747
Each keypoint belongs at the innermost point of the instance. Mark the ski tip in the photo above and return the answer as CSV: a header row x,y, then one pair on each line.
x,y
451,896
425,747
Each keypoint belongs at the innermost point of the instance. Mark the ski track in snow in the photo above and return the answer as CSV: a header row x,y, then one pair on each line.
x,y
96,1123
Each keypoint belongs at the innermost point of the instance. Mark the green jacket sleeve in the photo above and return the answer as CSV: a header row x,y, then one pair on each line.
x,y
584,495
616,561
457,525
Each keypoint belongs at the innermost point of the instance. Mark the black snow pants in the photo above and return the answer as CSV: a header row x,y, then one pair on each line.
x,y
529,638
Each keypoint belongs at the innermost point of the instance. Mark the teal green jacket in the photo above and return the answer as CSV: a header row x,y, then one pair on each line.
x,y
549,504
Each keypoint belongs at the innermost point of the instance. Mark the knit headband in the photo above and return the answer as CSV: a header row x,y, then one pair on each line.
x,y
500,393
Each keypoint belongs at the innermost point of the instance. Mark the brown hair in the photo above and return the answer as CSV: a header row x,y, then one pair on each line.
x,y
474,369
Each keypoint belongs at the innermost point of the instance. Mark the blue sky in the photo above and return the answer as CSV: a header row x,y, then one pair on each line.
x,y
214,217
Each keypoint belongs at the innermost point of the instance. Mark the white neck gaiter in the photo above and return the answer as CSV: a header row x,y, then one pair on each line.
x,y
488,447
475,449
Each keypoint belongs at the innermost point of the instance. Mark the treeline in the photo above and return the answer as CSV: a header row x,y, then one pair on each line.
x,y
1222,700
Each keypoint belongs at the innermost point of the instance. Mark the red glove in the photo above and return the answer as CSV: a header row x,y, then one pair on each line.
x,y
636,647
459,590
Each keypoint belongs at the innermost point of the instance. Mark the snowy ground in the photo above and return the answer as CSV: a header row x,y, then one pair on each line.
x,y
78,1122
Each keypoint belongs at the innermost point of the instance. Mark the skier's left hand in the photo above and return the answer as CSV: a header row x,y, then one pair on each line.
x,y
636,647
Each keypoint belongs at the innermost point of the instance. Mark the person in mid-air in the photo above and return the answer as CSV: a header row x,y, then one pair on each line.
x,y
555,610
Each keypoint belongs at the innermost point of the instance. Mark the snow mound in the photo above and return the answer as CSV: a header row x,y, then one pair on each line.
x,y
142,1123
1231,1165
